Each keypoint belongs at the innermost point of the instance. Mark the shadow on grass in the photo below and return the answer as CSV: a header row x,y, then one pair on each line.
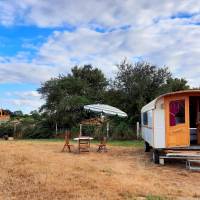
x,y
122,143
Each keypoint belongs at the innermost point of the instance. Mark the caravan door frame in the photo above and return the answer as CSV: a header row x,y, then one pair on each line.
x,y
178,135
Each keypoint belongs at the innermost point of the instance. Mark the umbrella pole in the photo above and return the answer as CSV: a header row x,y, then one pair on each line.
x,y
107,129
80,134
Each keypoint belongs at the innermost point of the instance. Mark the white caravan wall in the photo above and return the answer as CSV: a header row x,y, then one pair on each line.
x,y
159,125
147,131
147,135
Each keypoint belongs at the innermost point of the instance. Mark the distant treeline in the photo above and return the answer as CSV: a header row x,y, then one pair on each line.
x,y
132,86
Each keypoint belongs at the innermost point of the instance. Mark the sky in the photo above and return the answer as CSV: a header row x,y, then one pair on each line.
x,y
42,39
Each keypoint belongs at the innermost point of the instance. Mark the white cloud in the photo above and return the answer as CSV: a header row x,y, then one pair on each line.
x,y
7,14
165,43
30,103
25,94
22,100
51,13
19,69
154,35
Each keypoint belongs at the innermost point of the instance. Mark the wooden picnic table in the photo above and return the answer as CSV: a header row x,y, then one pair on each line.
x,y
83,143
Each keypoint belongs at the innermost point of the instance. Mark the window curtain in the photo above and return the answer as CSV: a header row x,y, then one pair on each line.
x,y
174,109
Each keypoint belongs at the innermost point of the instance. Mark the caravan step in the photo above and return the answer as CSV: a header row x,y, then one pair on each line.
x,y
190,167
190,158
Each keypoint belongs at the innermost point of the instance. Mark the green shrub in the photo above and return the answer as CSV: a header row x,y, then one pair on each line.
x,y
6,128
118,130
121,131
29,127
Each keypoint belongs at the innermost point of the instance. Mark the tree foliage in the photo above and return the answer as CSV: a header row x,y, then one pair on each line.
x,y
139,83
133,86
66,95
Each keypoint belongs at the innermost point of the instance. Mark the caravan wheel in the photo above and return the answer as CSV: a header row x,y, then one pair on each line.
x,y
147,147
156,156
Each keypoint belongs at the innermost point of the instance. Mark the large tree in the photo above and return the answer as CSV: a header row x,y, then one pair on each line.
x,y
66,95
133,87
175,84
139,83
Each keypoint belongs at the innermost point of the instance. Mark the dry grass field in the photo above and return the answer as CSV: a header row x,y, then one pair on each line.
x,y
38,170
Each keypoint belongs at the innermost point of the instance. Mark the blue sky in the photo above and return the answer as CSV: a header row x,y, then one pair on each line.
x,y
41,39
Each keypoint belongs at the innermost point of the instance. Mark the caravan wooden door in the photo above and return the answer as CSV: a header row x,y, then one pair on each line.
x,y
177,121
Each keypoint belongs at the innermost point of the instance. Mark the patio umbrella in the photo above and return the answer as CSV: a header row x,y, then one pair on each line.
x,y
104,109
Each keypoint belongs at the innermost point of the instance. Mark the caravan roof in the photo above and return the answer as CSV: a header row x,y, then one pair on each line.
x,y
152,104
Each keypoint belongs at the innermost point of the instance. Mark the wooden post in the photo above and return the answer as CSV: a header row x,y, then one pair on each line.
x,y
14,131
138,130
198,110
56,128
198,122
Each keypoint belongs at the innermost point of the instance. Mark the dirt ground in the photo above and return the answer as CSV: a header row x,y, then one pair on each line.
x,y
38,170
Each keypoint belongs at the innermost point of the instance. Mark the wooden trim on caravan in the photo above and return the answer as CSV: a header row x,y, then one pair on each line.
x,y
178,135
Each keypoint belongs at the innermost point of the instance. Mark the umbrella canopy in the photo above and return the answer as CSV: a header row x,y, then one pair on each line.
x,y
105,109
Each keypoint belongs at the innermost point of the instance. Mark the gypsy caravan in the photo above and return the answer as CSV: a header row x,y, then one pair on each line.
x,y
172,121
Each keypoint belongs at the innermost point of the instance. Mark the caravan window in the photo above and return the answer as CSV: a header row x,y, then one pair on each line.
x,y
149,114
177,112
145,118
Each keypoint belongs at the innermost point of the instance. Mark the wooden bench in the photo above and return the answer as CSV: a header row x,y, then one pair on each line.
x,y
84,145
102,145
67,144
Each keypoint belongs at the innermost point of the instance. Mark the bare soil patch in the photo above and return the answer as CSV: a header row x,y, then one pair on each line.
x,y
38,170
